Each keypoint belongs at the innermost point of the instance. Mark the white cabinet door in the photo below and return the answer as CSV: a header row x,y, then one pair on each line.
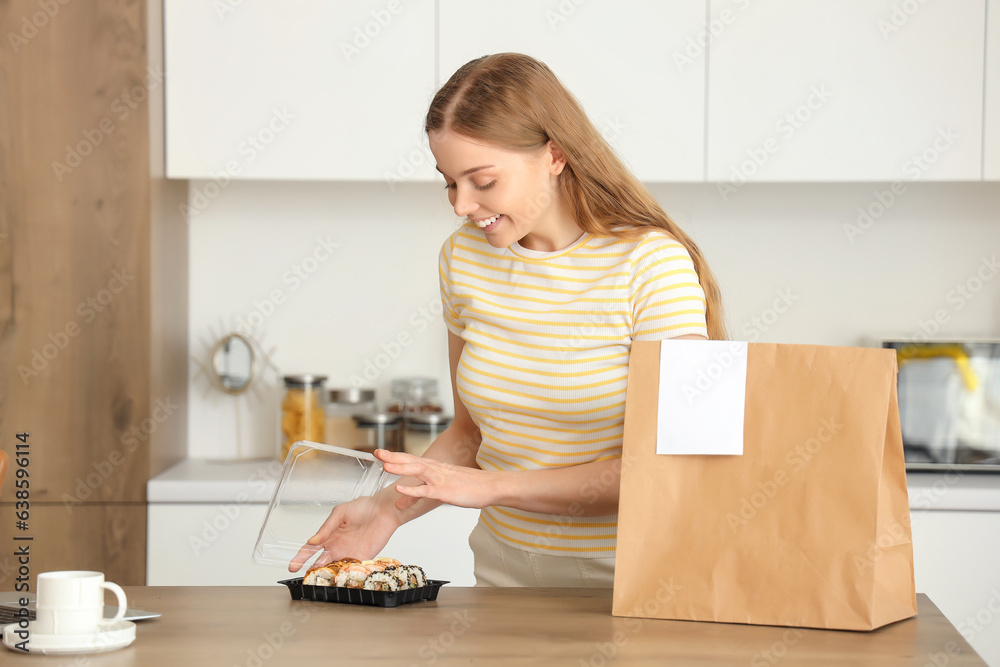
x,y
298,89
624,61
835,90
991,140
207,544
955,558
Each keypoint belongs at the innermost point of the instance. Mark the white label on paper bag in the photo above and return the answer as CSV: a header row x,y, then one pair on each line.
x,y
703,386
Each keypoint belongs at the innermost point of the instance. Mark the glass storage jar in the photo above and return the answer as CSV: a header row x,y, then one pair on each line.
x,y
302,415
422,430
378,430
343,404
414,395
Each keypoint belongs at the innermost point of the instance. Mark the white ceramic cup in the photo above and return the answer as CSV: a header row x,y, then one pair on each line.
x,y
71,602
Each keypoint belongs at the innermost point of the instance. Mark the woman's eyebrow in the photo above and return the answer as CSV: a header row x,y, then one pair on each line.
x,y
467,171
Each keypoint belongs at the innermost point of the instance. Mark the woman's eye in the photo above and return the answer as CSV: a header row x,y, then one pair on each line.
x,y
487,186
449,186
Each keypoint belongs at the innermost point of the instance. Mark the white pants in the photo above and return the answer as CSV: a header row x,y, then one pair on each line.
x,y
499,564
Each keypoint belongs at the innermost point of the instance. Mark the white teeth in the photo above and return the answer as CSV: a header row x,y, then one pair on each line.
x,y
487,222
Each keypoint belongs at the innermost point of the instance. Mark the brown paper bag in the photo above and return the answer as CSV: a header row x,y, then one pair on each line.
x,y
809,527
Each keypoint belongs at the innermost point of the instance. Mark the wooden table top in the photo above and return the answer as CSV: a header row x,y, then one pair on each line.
x,y
258,626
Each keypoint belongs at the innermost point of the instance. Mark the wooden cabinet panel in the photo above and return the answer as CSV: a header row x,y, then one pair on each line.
x,y
74,282
636,68
110,538
74,250
846,90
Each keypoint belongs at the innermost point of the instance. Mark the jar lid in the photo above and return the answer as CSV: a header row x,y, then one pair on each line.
x,y
304,380
369,419
428,419
414,388
352,395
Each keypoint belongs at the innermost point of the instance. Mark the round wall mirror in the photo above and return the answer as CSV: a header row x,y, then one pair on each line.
x,y
234,363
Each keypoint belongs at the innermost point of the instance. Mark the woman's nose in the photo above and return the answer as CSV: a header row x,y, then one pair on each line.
x,y
463,203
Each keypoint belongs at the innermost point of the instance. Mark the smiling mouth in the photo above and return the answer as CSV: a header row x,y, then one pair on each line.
x,y
486,222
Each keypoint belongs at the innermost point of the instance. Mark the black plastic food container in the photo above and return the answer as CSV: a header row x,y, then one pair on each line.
x,y
299,591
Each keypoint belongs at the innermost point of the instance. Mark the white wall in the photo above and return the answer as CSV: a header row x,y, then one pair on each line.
x,y
845,287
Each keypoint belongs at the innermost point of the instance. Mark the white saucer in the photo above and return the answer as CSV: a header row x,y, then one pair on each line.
x,y
113,635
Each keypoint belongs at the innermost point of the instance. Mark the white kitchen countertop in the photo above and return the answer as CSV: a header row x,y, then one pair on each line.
x,y
204,481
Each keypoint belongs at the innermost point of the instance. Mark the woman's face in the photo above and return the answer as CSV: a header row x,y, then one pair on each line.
x,y
511,195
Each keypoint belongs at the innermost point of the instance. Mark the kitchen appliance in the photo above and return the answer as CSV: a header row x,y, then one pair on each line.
x,y
949,403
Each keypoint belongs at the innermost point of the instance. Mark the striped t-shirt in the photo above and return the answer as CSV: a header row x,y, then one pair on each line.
x,y
544,368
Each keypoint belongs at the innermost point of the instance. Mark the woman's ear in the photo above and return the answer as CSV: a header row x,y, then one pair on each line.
x,y
557,160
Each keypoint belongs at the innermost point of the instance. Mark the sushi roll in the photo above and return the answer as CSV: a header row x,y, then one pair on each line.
x,y
374,565
391,562
324,575
352,576
381,581
399,572
414,576
320,576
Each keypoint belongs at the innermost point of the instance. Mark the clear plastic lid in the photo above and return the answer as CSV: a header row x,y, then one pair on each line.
x,y
315,478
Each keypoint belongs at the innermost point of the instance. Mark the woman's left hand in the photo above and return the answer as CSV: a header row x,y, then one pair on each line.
x,y
445,482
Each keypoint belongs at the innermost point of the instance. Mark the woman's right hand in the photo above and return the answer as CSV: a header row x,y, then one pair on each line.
x,y
356,529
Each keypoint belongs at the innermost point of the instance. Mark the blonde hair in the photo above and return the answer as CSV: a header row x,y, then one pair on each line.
x,y
514,101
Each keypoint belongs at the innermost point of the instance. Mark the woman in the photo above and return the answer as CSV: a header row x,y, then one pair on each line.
x,y
563,260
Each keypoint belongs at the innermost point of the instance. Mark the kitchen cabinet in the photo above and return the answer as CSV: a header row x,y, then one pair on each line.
x,y
955,556
83,327
855,90
991,126
636,68
211,544
303,89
